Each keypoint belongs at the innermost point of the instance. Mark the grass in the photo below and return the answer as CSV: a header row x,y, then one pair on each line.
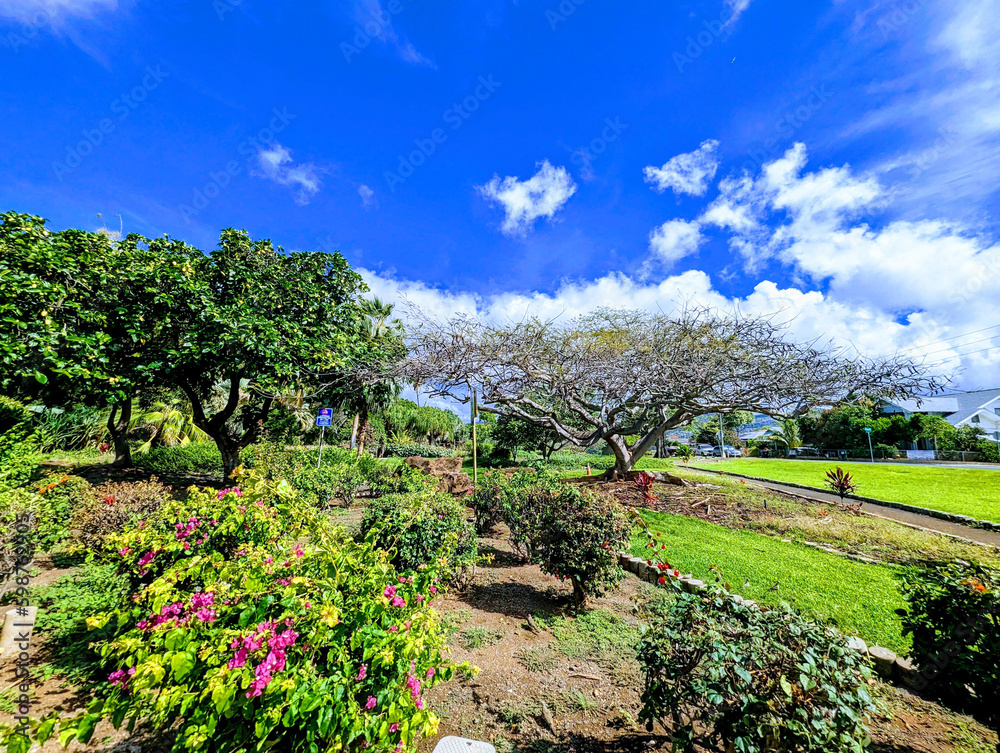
x,y
599,636
961,491
538,659
478,637
858,598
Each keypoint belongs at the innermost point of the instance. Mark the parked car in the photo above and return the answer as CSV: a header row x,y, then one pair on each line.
x,y
802,451
704,450
731,452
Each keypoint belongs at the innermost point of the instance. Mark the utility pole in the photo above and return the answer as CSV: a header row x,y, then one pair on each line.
x,y
475,463
868,431
722,439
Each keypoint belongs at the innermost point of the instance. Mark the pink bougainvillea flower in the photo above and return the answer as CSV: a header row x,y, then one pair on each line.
x,y
430,673
389,592
393,727
398,602
362,673
433,590
420,598
371,703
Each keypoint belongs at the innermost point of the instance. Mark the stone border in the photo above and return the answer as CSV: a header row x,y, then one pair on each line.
x,y
964,520
886,663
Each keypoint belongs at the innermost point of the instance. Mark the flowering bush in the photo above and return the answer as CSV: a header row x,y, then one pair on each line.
x,y
107,509
250,638
954,616
419,529
497,496
729,675
197,457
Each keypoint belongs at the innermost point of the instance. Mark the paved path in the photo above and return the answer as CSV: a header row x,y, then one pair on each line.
x,y
913,463
991,538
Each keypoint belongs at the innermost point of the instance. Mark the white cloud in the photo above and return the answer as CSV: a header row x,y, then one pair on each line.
x,y
736,7
43,12
368,198
674,240
688,173
275,163
525,201
374,21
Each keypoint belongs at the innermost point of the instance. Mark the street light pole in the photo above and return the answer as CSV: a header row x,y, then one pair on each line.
x,y
868,431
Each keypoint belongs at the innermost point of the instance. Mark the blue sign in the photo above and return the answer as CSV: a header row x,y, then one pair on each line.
x,y
868,430
325,417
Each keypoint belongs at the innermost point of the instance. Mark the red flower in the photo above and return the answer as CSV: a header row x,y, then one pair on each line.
x,y
677,573
662,580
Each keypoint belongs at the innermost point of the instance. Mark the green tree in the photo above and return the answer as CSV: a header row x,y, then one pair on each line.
x,y
789,434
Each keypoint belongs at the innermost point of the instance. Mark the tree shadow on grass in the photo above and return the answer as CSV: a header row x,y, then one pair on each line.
x,y
101,473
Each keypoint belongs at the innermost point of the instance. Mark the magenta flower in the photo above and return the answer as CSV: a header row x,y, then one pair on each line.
x,y
371,703
430,673
433,590
393,727
398,602
389,592
362,673
120,677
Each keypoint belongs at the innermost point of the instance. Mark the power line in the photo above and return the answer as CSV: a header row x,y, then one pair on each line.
x,y
962,355
960,345
949,339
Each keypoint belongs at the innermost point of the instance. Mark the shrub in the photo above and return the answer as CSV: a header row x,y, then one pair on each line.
x,y
18,445
420,450
48,503
197,457
497,495
12,414
989,451
954,617
110,508
575,535
841,482
249,640
684,452
886,451
420,529
728,675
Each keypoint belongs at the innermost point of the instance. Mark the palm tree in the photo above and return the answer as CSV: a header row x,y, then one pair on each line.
x,y
789,434
170,426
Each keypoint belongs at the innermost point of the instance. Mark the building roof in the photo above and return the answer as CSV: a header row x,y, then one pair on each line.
x,y
959,407
927,404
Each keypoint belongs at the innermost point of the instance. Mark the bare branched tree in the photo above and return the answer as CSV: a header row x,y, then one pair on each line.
x,y
628,376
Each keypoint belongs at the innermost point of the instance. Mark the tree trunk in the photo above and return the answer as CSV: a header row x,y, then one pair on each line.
x,y
624,459
119,432
362,430
230,452
354,431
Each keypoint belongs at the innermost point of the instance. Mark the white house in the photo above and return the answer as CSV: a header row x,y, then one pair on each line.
x,y
980,408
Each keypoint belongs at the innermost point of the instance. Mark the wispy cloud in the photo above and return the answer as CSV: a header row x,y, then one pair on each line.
x,y
688,173
275,163
375,21
368,198
524,201
52,11
736,7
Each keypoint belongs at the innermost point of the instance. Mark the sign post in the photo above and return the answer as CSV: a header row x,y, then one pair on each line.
x,y
475,465
324,419
868,431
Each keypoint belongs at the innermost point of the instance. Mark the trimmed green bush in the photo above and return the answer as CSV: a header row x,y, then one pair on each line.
x,y
197,457
421,529
395,449
989,451
954,616
723,674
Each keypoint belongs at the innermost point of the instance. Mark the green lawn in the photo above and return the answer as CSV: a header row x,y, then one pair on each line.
x,y
860,599
962,491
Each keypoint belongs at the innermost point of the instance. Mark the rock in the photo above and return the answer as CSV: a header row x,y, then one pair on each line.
x,y
635,565
624,559
857,644
907,671
547,717
883,659
448,470
669,478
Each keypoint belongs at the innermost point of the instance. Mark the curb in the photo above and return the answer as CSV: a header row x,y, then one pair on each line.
x,y
886,663
964,520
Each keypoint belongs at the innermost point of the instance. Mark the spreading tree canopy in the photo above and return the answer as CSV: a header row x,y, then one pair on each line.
x,y
626,377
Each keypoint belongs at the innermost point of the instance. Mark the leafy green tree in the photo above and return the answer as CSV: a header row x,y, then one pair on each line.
x,y
789,434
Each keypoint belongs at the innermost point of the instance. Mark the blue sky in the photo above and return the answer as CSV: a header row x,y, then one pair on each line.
x,y
836,163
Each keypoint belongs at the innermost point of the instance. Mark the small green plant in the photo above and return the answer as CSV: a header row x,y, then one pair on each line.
x,y
841,482
479,637
197,457
110,508
538,659
725,674
683,452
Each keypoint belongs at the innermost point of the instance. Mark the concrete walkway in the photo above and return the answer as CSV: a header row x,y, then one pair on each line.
x,y
926,522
